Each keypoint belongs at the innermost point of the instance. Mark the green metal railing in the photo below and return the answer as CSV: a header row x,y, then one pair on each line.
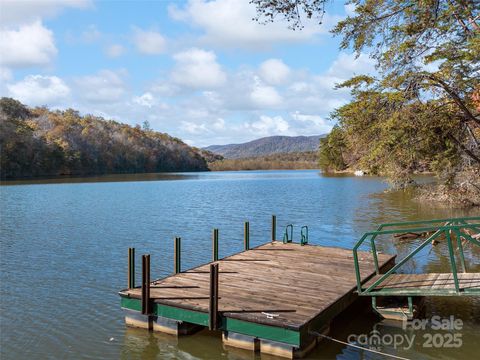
x,y
304,235
288,234
436,228
286,237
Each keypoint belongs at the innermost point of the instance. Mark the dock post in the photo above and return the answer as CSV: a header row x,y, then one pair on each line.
x,y
146,310
213,299
246,236
131,268
215,244
274,228
177,264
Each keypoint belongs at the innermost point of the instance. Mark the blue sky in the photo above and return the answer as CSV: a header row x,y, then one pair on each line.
x,y
199,70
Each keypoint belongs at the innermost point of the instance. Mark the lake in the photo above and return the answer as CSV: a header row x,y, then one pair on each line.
x,y
64,254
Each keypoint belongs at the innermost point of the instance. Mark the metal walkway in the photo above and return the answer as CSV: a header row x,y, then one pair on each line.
x,y
455,233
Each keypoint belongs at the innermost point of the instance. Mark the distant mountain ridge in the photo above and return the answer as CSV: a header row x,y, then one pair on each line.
x,y
267,146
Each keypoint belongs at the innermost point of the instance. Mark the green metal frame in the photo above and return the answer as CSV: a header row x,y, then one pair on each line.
x,y
410,314
286,238
215,245
304,235
266,332
246,236
280,334
170,312
177,263
438,227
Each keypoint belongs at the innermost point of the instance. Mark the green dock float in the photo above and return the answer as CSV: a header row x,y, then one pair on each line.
x,y
277,297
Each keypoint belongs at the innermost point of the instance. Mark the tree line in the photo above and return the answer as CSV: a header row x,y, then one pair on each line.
x,y
279,161
40,142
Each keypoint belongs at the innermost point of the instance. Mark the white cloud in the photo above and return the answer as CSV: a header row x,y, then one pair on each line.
x,y
193,128
5,74
39,90
15,12
105,86
165,88
234,106
274,71
219,124
29,45
114,50
347,65
198,69
229,23
265,96
310,124
149,42
267,126
145,100
301,87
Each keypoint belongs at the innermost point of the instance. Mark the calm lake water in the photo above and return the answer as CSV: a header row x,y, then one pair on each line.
x,y
64,255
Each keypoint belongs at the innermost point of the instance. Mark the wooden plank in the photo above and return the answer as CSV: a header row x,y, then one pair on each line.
x,y
469,280
297,283
433,280
440,281
475,284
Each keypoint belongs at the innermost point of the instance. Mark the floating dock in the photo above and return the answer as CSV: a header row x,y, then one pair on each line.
x,y
456,234
273,298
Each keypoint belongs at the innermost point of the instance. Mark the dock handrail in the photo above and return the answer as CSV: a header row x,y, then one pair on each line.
x,y
304,235
286,238
436,227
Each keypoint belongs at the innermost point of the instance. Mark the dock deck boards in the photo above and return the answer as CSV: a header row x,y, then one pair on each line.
x,y
295,283
431,281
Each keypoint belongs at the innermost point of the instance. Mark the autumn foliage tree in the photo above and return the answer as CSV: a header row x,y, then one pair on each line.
x,y
422,106
39,142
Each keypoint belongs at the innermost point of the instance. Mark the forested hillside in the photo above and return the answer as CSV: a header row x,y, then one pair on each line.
x,y
267,146
283,161
39,142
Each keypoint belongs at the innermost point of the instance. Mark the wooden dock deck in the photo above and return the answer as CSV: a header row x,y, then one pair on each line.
x,y
272,296
431,284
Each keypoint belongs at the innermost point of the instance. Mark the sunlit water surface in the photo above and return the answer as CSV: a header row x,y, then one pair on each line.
x,y
64,245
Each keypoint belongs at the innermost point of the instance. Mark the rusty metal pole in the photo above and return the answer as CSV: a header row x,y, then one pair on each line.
x,y
131,268
146,285
213,298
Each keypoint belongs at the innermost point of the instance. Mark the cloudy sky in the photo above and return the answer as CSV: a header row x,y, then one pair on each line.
x,y
199,70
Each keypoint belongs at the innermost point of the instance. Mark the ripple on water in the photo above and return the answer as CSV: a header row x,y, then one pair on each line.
x,y
63,251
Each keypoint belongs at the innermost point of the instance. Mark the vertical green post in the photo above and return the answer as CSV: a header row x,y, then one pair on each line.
x,y
274,228
410,305
460,250
375,256
131,268
215,244
246,236
453,264
177,265
357,272
213,316
146,305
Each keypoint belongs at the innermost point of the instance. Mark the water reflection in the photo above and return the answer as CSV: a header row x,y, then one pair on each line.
x,y
103,178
